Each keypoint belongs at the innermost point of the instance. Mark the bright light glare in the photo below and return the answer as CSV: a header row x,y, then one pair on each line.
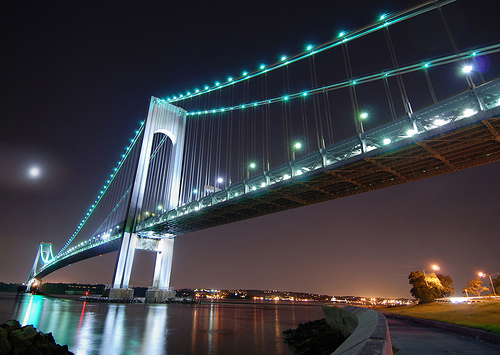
x,y
387,141
219,180
439,122
467,69
364,115
297,145
481,274
252,165
469,112
34,171
435,267
411,132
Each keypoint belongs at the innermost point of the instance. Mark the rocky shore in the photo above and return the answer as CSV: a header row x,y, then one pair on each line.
x,y
15,339
313,338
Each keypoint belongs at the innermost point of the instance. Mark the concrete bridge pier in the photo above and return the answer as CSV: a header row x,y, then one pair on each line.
x,y
163,246
161,281
123,269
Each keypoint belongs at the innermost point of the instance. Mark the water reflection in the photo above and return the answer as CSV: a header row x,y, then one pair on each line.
x,y
155,332
210,328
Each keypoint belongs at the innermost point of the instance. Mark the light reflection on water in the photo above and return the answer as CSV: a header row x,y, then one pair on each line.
x,y
255,327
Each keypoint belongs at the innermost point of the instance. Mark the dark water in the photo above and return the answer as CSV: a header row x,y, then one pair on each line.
x,y
210,328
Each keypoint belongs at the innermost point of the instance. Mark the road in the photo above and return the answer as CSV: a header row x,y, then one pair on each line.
x,y
416,339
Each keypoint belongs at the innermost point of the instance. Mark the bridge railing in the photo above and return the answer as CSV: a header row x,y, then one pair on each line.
x,y
448,114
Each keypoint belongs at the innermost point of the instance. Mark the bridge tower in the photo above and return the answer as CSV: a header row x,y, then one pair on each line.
x,y
169,120
43,256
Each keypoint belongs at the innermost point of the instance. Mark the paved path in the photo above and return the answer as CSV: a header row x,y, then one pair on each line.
x,y
411,338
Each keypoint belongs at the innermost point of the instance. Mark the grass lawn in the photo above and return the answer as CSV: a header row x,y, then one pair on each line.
x,y
482,315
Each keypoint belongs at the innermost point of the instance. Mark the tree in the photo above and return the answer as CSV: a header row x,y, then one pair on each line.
x,y
427,287
496,284
448,285
475,286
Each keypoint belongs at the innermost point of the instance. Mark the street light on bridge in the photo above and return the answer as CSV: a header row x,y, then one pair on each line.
x,y
482,274
295,147
467,69
362,116
250,166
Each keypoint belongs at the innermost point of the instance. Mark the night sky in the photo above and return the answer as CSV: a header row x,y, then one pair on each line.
x,y
76,79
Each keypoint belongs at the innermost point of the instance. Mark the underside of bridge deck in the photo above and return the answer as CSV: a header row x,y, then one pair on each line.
x,y
462,148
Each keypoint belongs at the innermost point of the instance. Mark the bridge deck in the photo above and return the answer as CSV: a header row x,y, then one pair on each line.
x,y
471,145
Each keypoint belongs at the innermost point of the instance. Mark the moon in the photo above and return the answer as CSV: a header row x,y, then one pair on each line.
x,y
34,172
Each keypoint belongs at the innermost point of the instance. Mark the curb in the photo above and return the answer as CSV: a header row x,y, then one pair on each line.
x,y
470,332
366,330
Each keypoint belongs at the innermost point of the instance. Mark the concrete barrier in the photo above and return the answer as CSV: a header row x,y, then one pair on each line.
x,y
366,329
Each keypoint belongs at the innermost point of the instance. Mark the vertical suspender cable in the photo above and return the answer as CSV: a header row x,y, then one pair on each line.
x,y
389,98
352,89
268,125
317,110
229,136
329,123
399,79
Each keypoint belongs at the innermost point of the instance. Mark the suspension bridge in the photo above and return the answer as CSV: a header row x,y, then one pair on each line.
x,y
325,123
